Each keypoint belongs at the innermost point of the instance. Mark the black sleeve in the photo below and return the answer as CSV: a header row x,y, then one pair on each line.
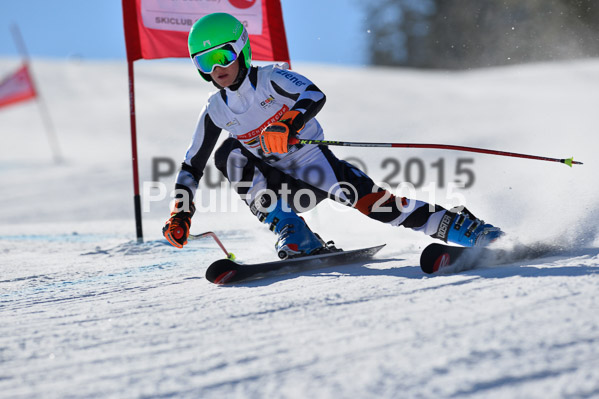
x,y
309,99
199,151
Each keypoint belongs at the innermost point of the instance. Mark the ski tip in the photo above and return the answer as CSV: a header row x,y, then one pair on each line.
x,y
221,271
434,264
225,277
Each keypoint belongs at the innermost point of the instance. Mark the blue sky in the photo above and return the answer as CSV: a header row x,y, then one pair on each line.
x,y
329,31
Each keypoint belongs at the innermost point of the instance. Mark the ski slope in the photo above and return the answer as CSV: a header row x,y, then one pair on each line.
x,y
85,312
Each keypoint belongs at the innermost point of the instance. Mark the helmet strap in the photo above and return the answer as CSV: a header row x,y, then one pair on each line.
x,y
206,76
243,71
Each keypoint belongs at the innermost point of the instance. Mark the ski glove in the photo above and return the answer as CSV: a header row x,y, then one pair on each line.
x,y
176,229
275,137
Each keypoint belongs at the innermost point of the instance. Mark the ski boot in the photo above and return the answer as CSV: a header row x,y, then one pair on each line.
x,y
465,229
295,237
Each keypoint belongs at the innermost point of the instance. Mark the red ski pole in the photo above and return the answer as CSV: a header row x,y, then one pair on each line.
x,y
567,161
230,255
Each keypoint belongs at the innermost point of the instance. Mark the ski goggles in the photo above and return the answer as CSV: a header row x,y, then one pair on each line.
x,y
223,55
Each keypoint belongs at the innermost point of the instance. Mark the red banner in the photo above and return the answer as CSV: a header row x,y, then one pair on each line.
x,y
17,87
159,28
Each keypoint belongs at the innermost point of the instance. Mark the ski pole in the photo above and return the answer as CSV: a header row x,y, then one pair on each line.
x,y
567,161
230,255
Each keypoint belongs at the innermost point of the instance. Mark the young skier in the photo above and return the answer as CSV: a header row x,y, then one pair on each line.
x,y
264,109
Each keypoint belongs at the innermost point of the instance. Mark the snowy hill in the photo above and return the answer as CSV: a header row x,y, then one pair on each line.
x,y
85,312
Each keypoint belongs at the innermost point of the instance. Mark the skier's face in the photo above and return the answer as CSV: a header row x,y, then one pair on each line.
x,y
225,77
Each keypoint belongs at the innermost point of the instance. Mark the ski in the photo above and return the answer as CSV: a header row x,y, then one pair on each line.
x,y
225,271
444,259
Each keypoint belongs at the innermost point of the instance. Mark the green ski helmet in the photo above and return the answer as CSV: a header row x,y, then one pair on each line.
x,y
218,39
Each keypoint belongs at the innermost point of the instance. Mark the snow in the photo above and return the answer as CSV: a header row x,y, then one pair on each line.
x,y
85,312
